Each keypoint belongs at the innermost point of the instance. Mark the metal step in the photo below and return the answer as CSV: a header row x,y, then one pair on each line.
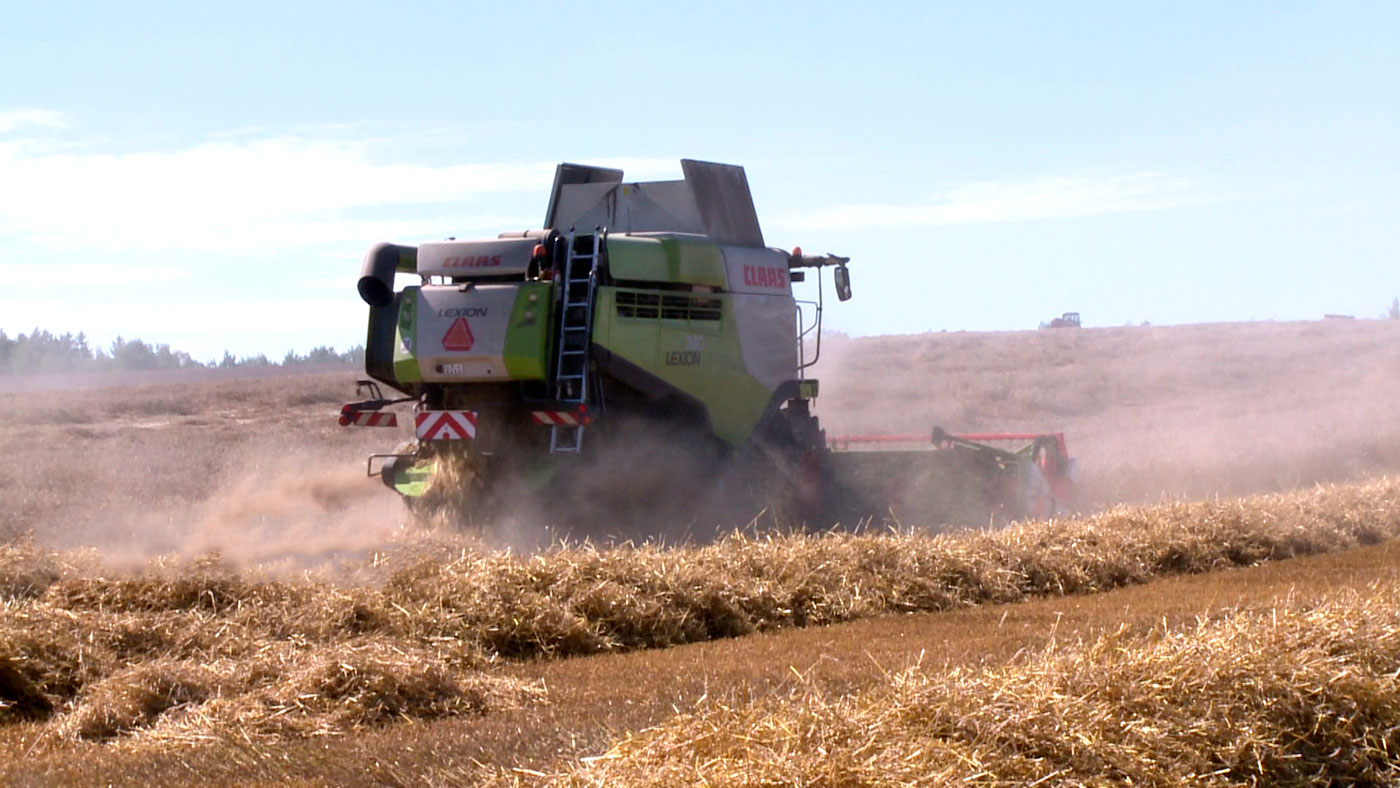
x,y
565,440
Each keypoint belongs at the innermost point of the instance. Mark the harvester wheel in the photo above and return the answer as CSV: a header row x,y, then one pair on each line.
x,y
785,472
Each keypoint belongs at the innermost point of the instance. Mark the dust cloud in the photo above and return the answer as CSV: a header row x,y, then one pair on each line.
x,y
642,482
257,471
1150,413
296,509
290,511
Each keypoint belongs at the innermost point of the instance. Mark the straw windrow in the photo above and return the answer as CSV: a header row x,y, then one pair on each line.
x,y
1291,696
116,657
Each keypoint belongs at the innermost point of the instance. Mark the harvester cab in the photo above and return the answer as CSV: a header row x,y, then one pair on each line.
x,y
637,308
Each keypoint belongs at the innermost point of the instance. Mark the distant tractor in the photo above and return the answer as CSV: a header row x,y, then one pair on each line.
x,y
1067,320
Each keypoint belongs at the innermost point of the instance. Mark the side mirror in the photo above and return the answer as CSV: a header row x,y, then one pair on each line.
x,y
842,276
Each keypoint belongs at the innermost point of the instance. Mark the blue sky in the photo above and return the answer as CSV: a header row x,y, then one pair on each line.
x,y
209,175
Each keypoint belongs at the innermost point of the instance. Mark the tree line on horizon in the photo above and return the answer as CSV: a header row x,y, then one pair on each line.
x,y
42,352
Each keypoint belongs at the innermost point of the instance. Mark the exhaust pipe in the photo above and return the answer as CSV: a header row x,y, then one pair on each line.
x,y
376,283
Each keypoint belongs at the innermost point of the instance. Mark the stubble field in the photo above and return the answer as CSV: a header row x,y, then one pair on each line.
x,y
331,643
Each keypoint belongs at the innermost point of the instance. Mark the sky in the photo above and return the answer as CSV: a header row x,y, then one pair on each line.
x,y
209,175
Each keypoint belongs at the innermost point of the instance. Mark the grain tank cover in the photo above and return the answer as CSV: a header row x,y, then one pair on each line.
x,y
484,257
713,200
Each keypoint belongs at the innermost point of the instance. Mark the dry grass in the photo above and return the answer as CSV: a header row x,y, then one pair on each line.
x,y
585,600
26,571
594,701
187,653
288,692
1289,696
190,650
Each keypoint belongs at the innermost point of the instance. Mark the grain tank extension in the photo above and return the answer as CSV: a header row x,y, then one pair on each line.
x,y
644,324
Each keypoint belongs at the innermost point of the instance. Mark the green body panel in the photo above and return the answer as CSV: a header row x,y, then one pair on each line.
x,y
685,259
700,357
528,336
405,362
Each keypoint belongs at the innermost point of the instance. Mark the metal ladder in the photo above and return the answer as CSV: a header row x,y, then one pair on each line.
x,y
571,371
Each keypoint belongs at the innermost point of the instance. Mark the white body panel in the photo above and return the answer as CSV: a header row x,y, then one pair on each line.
x,y
483,257
447,353
757,270
765,326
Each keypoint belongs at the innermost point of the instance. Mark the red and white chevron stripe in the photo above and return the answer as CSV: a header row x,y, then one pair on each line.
x,y
557,418
370,418
350,417
445,425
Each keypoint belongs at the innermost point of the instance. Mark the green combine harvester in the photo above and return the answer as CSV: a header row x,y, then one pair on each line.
x,y
641,352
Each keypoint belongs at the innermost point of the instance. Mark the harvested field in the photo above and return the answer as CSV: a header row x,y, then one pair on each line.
x,y
199,651
1296,695
197,583
1151,411
258,469
191,652
594,701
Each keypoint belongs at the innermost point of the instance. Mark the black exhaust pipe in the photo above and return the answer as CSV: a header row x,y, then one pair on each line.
x,y
376,284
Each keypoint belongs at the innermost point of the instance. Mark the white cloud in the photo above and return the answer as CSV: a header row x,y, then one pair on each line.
x,y
76,225
172,319
1055,197
32,275
45,118
268,193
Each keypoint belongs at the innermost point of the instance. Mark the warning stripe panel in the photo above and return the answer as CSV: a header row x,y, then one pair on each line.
x,y
368,418
445,425
558,418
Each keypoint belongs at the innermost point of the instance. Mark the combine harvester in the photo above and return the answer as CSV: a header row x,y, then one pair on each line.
x,y
645,338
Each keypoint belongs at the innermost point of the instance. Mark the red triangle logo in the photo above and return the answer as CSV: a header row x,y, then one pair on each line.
x,y
459,337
